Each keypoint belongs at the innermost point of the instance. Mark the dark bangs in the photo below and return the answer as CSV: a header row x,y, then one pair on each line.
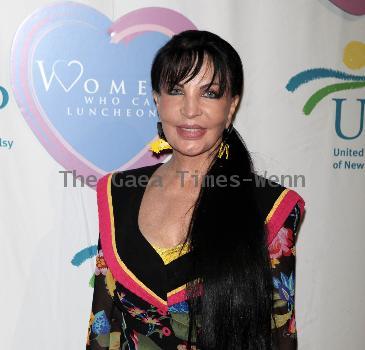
x,y
183,66
182,58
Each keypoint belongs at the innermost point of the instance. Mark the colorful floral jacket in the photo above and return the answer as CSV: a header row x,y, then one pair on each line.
x,y
139,299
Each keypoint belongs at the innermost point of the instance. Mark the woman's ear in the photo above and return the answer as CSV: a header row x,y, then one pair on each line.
x,y
156,98
234,103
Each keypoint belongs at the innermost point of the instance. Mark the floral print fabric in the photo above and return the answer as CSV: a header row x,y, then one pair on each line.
x,y
121,320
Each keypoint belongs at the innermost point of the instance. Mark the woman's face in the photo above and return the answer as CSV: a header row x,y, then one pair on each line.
x,y
193,118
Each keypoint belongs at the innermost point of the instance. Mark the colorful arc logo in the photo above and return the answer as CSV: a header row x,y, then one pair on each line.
x,y
353,58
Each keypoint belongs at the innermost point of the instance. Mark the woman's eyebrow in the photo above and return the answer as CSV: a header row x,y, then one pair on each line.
x,y
202,87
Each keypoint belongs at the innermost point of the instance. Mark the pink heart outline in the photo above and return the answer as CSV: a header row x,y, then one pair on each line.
x,y
141,20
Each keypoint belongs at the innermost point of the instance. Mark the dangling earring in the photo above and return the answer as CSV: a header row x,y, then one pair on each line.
x,y
160,144
224,146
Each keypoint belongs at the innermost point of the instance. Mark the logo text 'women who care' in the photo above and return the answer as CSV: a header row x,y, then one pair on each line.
x,y
97,98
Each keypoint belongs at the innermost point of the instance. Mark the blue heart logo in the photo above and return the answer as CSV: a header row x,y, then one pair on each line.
x,y
83,83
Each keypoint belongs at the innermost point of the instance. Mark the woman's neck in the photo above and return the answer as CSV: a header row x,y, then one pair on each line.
x,y
185,171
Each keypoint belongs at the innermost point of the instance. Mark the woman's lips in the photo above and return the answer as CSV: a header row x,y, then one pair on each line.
x,y
191,133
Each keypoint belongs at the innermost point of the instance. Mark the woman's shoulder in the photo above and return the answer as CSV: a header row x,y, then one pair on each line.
x,y
276,202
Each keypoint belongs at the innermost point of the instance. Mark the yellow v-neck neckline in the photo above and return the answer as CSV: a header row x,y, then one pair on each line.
x,y
171,253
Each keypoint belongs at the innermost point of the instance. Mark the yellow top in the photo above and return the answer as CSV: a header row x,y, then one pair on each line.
x,y
170,254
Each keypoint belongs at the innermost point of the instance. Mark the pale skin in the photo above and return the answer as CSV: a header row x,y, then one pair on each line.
x,y
166,210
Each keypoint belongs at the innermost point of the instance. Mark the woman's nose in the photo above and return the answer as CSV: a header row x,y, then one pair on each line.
x,y
191,106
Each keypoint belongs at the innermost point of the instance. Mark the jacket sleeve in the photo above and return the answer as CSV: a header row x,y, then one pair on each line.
x,y
105,331
283,263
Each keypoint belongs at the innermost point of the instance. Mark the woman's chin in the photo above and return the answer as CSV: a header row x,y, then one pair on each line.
x,y
190,151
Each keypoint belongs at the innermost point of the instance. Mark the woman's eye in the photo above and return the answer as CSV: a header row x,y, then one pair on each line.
x,y
175,91
210,94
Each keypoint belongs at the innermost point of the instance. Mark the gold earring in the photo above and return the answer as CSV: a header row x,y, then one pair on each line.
x,y
223,149
224,146
160,144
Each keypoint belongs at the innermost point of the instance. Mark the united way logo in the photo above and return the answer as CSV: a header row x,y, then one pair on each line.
x,y
82,83
340,81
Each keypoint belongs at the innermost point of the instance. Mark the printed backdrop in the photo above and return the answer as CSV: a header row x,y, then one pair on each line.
x,y
75,103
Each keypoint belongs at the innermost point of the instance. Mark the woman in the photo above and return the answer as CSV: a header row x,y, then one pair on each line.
x,y
197,252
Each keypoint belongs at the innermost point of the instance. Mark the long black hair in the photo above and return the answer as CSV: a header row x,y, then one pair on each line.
x,y
226,235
